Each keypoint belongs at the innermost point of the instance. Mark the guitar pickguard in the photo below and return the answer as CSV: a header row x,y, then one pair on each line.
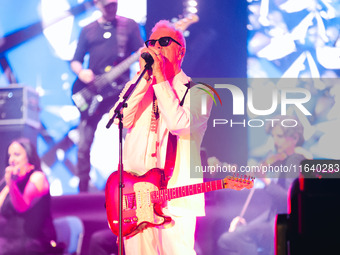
x,y
144,206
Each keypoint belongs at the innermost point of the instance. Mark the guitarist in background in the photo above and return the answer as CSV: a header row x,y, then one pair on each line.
x,y
108,40
246,238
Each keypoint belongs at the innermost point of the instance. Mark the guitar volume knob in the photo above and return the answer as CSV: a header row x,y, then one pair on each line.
x,y
127,220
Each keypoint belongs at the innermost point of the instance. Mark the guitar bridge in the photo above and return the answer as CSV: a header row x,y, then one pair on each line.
x,y
144,205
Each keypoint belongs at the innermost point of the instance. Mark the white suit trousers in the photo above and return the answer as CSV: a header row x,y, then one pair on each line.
x,y
175,239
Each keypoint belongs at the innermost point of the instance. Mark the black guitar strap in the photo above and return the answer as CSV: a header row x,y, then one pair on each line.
x,y
172,144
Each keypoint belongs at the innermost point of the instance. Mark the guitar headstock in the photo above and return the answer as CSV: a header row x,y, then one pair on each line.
x,y
239,183
184,23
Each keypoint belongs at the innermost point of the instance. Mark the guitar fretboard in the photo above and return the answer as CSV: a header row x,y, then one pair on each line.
x,y
103,80
168,194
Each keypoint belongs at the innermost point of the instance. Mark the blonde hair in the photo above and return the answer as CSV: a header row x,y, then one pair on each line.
x,y
168,24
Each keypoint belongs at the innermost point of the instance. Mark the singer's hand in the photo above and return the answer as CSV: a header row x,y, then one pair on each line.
x,y
157,67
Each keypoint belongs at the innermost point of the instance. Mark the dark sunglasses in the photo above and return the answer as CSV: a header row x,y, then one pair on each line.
x,y
163,41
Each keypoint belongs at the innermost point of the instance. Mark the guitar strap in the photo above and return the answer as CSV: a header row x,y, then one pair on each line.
x,y
172,144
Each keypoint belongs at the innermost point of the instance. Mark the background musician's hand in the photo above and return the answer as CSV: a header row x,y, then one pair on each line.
x,y
86,75
236,222
213,161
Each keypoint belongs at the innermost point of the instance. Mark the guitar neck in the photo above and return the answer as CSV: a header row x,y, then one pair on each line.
x,y
121,67
162,195
103,80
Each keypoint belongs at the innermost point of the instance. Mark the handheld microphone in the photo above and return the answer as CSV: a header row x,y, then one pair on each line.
x,y
149,61
148,58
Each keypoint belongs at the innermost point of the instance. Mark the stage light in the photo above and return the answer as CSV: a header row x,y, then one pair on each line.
x,y
190,6
56,187
60,153
191,9
69,113
192,3
58,24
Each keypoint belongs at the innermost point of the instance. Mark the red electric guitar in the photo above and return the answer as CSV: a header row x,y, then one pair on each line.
x,y
143,197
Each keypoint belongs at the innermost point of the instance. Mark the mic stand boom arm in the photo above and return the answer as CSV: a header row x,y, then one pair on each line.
x,y
117,113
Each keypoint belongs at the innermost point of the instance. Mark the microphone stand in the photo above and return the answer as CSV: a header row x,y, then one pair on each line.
x,y
2,181
119,115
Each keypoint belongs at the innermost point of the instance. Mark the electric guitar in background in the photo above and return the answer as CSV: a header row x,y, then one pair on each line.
x,y
143,197
87,97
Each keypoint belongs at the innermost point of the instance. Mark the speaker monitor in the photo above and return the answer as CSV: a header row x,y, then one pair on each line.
x,y
19,117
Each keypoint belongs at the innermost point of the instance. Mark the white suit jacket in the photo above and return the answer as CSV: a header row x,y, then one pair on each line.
x,y
185,121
